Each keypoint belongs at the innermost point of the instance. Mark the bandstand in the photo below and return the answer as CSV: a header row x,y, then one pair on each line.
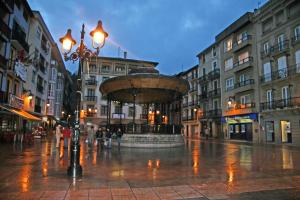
x,y
160,94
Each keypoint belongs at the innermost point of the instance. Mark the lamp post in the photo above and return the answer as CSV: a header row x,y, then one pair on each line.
x,y
82,53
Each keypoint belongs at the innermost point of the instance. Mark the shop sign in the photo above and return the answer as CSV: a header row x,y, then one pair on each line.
x,y
15,102
240,118
118,116
20,70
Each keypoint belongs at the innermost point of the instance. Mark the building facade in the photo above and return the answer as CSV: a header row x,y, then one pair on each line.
x,y
189,106
209,95
94,108
278,44
239,80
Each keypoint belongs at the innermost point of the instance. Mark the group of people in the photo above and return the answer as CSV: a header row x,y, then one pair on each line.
x,y
65,132
103,136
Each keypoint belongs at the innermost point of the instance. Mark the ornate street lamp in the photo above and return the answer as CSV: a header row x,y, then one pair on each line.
x,y
82,53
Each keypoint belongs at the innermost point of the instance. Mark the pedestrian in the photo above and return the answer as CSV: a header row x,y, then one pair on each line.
x,y
108,138
99,135
58,134
206,132
91,136
119,136
66,134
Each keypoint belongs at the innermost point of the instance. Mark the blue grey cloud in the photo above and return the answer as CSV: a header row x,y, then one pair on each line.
x,y
171,32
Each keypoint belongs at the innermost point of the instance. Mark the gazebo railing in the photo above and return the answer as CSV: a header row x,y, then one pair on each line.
x,y
146,128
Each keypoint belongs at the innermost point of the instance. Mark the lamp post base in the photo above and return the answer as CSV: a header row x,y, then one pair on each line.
x,y
75,170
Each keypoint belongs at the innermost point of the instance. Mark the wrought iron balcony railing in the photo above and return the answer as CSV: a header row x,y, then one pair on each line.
x,y
280,104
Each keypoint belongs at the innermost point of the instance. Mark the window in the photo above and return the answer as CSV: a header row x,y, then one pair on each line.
x,y
216,103
242,78
243,57
242,37
105,68
103,110
92,68
266,48
228,64
90,92
228,45
214,65
280,41
118,109
297,56
297,33
214,52
38,33
269,96
229,84
244,100
1,79
130,111
285,95
282,67
120,68
267,72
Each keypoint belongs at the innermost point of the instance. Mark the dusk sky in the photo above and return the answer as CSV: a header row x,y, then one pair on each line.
x,y
171,32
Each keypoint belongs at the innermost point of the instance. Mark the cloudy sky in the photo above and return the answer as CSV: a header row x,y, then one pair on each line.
x,y
171,32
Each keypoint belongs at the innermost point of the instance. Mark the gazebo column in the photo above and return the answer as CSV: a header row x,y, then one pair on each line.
x,y
121,112
109,111
107,114
133,119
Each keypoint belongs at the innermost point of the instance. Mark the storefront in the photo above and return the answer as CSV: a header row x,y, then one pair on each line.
x,y
240,127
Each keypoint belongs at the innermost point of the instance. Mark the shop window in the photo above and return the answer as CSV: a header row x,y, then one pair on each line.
x,y
130,111
269,130
103,110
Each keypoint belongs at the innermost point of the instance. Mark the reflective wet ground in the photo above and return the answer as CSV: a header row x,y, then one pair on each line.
x,y
200,170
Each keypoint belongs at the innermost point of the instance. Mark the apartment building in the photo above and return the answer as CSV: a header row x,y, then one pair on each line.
x,y
14,49
189,106
94,108
239,80
278,44
209,95
40,70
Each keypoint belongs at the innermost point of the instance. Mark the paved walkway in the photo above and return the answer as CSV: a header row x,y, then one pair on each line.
x,y
200,170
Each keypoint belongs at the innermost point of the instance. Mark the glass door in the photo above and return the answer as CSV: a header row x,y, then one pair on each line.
x,y
286,135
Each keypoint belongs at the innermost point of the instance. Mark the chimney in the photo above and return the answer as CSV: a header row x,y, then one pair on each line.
x,y
125,54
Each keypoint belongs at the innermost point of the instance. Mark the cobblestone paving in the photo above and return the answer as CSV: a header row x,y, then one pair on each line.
x,y
200,170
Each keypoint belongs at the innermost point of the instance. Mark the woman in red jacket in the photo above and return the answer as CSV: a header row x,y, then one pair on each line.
x,y
66,133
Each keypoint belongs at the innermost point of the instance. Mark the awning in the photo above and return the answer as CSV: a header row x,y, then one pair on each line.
x,y
21,113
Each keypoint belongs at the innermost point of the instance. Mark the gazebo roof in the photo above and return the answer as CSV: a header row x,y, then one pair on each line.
x,y
146,87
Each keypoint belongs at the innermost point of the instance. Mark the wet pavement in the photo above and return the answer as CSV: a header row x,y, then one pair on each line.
x,y
199,170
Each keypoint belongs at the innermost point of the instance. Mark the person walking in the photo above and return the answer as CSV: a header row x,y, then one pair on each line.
x,y
108,138
206,132
58,134
66,134
91,136
119,136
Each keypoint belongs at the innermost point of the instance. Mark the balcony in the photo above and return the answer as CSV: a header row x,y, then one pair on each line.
x,y
42,67
3,62
37,109
281,74
40,88
185,105
44,47
203,79
296,40
244,85
239,106
214,93
192,103
91,82
215,74
202,96
280,104
242,64
20,37
280,48
193,89
90,114
213,113
185,118
4,29
245,41
90,98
